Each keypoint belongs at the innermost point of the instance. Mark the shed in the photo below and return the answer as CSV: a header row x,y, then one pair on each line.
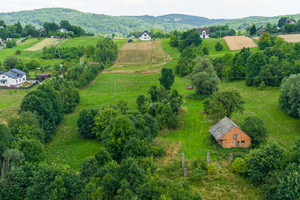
x,y
43,77
229,135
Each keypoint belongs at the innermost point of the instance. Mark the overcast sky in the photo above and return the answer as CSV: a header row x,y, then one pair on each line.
x,y
205,8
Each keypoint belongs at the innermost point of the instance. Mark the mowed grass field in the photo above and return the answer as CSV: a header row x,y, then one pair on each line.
x,y
238,42
141,56
210,44
23,45
44,43
87,40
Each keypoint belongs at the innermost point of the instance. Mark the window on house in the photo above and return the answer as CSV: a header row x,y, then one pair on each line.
x,y
16,81
3,76
234,136
23,79
243,141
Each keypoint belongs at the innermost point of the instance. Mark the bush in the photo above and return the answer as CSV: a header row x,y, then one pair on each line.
x,y
211,168
219,46
239,166
198,174
262,85
18,52
158,151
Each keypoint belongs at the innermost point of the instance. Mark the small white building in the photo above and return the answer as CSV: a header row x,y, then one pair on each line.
x,y
204,32
63,30
12,78
146,36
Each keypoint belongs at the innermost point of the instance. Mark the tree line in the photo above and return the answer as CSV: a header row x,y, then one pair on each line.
x,y
49,28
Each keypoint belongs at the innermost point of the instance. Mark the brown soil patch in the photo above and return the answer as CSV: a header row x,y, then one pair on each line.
x,y
238,42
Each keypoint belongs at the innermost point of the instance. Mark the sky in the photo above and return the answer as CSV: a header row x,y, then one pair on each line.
x,y
204,8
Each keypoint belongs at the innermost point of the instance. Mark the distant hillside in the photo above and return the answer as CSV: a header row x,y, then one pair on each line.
x,y
106,24
243,23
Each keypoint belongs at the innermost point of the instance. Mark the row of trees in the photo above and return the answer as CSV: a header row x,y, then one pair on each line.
x,y
17,30
270,66
53,52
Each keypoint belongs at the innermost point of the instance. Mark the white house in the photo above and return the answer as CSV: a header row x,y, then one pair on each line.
x,y
204,32
12,78
63,30
146,36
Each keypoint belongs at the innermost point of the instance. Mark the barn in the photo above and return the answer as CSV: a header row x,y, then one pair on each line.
x,y
229,135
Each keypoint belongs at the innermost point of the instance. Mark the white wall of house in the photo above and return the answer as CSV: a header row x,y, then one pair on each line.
x,y
204,35
11,82
145,36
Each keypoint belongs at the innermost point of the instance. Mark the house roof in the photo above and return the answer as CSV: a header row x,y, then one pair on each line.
x,y
147,33
43,75
3,80
1,72
200,30
222,127
14,73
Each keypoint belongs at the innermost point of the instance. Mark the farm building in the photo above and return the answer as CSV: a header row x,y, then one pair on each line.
x,y
204,32
12,78
229,135
43,77
261,31
146,36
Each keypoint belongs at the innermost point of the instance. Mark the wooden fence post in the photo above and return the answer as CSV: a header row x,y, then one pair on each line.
x,y
185,172
182,160
208,158
231,157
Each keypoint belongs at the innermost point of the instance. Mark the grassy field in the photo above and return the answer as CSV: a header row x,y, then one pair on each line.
x,y
10,102
210,43
23,45
88,40
44,43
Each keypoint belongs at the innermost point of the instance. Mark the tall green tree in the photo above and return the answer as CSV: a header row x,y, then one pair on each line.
x,y
204,77
290,95
255,128
167,78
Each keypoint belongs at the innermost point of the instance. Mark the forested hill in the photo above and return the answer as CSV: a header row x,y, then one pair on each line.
x,y
105,24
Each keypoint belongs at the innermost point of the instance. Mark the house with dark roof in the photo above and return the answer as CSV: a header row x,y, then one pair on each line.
x,y
146,36
204,32
229,135
261,31
290,21
12,78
